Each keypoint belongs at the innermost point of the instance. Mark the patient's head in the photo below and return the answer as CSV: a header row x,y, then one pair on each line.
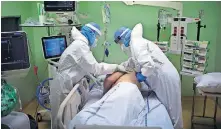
x,y
118,77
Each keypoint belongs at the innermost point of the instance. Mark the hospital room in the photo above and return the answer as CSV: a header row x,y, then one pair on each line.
x,y
110,65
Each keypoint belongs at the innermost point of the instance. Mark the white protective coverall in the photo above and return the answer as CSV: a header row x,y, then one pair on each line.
x,y
162,76
76,62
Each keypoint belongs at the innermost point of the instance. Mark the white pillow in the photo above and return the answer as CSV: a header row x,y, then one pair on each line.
x,y
210,82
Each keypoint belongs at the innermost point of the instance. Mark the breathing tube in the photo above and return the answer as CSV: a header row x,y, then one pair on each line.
x,y
43,96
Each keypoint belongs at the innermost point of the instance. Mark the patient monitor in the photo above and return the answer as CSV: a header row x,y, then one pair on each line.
x,y
64,11
53,47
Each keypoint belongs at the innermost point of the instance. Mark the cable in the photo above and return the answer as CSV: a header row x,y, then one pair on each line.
x,y
41,97
33,61
170,37
19,98
36,110
36,73
45,69
35,67
30,48
168,45
184,36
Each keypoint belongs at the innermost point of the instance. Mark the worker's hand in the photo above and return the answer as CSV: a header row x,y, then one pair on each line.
x,y
140,77
121,68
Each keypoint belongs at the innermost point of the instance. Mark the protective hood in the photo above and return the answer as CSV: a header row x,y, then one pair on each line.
x,y
76,35
137,31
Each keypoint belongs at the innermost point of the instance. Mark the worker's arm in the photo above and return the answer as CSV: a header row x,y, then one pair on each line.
x,y
146,63
90,64
142,53
110,80
129,64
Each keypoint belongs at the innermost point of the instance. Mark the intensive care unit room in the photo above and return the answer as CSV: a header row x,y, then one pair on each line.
x,y
110,64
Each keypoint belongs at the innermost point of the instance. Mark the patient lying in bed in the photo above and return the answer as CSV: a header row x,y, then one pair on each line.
x,y
122,104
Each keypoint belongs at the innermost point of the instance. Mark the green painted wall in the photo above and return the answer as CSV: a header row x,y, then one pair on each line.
x,y
120,15
26,85
38,33
218,46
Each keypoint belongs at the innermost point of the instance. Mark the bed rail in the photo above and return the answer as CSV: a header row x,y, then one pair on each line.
x,y
69,107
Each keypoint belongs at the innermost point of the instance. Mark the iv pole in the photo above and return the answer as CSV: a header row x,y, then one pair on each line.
x,y
106,21
199,26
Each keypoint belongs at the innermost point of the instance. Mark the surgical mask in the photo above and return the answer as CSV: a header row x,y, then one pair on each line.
x,y
126,39
126,50
94,44
122,47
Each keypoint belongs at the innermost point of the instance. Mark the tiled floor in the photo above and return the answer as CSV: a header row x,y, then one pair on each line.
x,y
186,104
31,109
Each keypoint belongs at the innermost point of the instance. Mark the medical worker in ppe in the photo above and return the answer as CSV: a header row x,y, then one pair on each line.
x,y
153,69
76,62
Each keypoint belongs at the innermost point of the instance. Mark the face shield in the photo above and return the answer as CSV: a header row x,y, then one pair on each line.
x,y
93,34
120,37
96,29
123,39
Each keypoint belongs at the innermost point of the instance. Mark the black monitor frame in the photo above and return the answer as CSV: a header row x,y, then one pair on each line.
x,y
59,9
52,37
17,57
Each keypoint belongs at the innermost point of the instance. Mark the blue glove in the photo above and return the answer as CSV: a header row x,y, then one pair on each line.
x,y
140,77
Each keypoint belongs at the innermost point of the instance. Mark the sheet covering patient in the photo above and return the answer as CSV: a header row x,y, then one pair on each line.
x,y
122,104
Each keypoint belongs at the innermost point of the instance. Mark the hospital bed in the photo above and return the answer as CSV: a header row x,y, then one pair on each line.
x,y
75,101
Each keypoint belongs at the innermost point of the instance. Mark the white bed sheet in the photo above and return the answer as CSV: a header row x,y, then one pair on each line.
x,y
156,117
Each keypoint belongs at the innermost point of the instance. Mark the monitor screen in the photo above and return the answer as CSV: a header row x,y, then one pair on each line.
x,y
53,46
14,51
59,5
